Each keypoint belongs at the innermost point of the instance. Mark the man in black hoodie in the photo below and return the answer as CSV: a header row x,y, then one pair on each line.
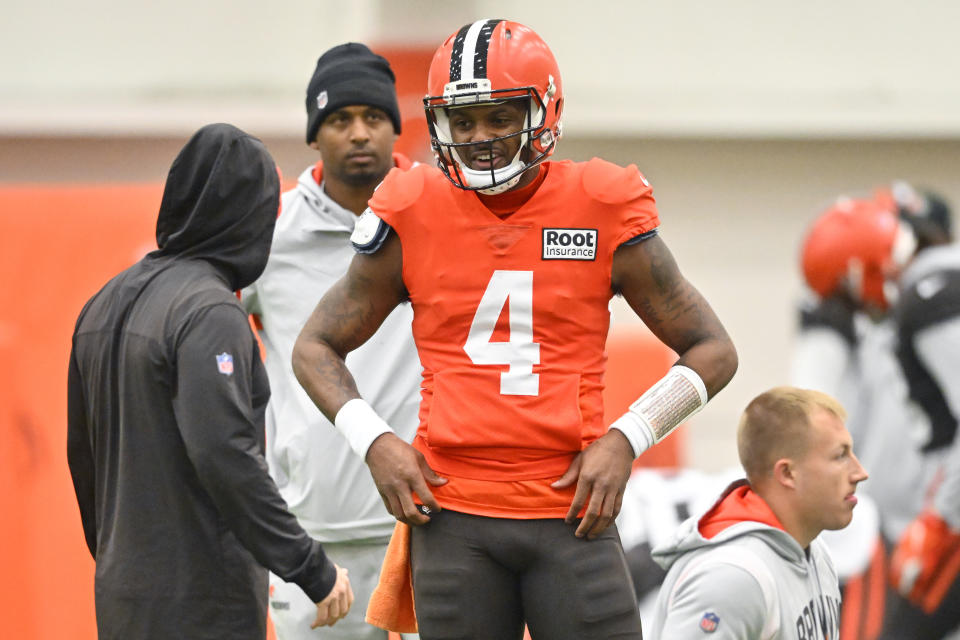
x,y
166,398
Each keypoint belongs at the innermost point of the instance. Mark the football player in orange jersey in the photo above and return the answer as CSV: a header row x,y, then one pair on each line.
x,y
510,261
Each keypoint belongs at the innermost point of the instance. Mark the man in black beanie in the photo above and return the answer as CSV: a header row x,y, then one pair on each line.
x,y
350,74
353,122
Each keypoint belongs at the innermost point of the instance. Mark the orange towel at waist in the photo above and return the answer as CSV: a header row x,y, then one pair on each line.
x,y
391,605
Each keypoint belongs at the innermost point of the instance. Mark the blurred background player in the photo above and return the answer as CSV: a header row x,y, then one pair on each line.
x,y
751,567
166,394
925,563
845,347
352,121
853,341
510,263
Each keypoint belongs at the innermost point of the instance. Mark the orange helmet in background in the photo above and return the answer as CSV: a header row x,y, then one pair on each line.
x,y
857,246
489,62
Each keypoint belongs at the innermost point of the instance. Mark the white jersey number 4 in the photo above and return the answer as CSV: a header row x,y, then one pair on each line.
x,y
521,352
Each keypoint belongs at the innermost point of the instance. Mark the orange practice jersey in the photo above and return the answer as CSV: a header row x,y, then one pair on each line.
x,y
510,320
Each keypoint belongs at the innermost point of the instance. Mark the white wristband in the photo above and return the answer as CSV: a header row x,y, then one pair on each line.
x,y
671,400
360,424
637,431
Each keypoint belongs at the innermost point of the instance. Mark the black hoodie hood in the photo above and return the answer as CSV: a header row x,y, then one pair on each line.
x,y
220,203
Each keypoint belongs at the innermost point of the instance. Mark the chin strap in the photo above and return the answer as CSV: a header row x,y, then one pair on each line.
x,y
500,188
475,178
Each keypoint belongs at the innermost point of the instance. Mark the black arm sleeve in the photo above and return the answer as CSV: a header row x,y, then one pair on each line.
x,y
80,454
213,404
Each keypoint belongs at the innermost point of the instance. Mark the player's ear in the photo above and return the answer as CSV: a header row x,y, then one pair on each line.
x,y
784,473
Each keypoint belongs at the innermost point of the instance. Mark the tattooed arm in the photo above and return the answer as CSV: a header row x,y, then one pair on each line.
x,y
647,276
650,281
346,317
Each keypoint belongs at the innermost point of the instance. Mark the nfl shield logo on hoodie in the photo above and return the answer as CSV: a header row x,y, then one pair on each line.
x,y
709,622
225,363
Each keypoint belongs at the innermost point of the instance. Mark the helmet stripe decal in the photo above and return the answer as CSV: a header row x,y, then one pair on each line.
x,y
456,56
468,60
483,43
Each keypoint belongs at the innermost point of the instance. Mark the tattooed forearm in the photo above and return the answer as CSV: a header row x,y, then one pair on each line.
x,y
347,316
345,321
326,379
318,361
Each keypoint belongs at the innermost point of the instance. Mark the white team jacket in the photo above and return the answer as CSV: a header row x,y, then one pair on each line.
x,y
749,582
325,484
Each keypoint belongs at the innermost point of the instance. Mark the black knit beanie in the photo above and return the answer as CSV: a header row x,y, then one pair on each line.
x,y
350,74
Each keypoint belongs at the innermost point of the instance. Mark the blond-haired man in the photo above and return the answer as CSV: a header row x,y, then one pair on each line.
x,y
751,567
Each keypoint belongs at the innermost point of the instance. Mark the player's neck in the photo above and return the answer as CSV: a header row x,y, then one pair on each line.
x,y
504,204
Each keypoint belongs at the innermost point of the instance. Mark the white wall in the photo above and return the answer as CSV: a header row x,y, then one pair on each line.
x,y
684,67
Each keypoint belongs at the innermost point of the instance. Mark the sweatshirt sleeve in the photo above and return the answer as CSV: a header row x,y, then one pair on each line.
x,y
80,454
720,601
214,408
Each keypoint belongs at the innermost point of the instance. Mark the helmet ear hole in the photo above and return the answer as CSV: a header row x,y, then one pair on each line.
x,y
557,107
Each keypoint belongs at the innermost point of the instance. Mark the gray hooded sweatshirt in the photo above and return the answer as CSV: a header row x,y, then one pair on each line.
x,y
749,580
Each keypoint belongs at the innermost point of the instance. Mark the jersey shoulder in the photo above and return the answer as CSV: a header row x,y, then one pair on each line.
x,y
612,184
400,189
